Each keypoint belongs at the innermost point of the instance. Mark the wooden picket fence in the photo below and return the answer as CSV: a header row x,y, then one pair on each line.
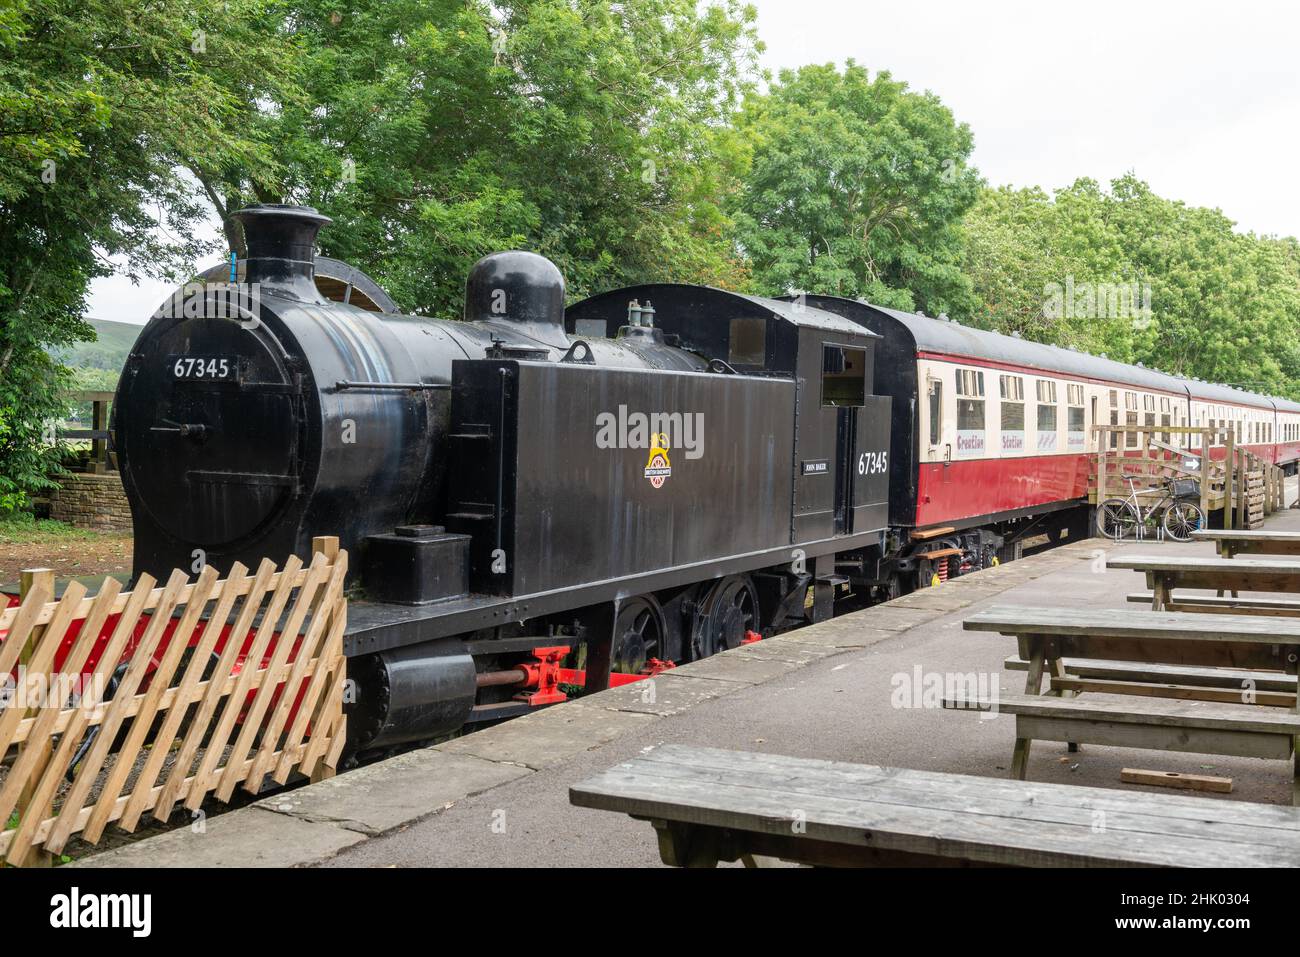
x,y
224,718
1240,485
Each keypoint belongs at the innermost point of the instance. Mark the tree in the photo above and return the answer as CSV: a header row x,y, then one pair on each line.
x,y
856,187
436,131
101,103
1141,278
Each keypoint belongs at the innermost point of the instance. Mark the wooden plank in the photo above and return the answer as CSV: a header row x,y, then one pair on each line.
x,y
1155,737
1018,619
135,673
22,621
208,774
803,776
253,596
328,719
1268,699
1139,711
950,816
312,644
1168,674
254,713
1218,604
28,783
1239,566
159,682
322,684
922,534
70,738
937,553
8,616
184,690
1226,603
41,659
1175,779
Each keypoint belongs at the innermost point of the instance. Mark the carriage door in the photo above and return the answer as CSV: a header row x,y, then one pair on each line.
x,y
844,389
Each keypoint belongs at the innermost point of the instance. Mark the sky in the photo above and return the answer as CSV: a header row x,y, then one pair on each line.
x,y
1201,100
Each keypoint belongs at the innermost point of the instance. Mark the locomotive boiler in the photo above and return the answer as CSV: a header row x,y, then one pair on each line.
x,y
530,498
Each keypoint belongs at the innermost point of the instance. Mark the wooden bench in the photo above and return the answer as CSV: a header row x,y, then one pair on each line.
x,y
1164,574
1168,681
1234,542
1049,637
1222,604
709,805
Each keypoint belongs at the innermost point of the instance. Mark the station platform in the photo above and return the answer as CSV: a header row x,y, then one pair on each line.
x,y
499,797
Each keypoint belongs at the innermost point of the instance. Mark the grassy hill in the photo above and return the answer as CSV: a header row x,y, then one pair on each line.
x,y
108,352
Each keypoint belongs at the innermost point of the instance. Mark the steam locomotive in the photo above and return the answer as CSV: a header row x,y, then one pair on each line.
x,y
527,503
537,497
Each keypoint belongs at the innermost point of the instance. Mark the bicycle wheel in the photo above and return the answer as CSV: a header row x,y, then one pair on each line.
x,y
1116,519
1181,519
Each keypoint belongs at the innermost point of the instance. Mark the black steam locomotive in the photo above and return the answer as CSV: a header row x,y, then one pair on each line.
x,y
631,482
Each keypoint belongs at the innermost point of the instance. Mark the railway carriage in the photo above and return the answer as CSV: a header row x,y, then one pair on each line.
x,y
992,434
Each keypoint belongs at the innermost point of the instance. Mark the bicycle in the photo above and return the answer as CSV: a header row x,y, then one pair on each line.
x,y
1176,511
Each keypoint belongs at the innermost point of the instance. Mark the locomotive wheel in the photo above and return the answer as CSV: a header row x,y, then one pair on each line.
x,y
728,611
638,635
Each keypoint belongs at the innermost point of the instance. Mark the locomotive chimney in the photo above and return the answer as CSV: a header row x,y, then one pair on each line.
x,y
521,290
281,242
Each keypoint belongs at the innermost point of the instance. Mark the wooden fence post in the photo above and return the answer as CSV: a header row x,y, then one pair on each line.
x,y
1103,441
327,545
30,578
1243,494
1229,475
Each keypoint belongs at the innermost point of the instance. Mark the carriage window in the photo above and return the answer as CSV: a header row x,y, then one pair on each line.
x,y
1074,394
1131,420
747,344
1046,406
970,383
936,410
1149,403
1164,403
1130,400
1114,436
1165,421
1013,404
844,376
1114,399
970,401
1075,420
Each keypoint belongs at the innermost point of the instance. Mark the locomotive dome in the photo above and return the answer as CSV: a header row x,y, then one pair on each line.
x,y
521,288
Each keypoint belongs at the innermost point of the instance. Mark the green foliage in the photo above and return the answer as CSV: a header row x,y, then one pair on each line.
x,y
1195,298
435,132
101,103
21,528
856,188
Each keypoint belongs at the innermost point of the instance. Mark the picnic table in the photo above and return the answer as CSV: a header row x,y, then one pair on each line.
x,y
1048,637
1232,542
1165,573
709,805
